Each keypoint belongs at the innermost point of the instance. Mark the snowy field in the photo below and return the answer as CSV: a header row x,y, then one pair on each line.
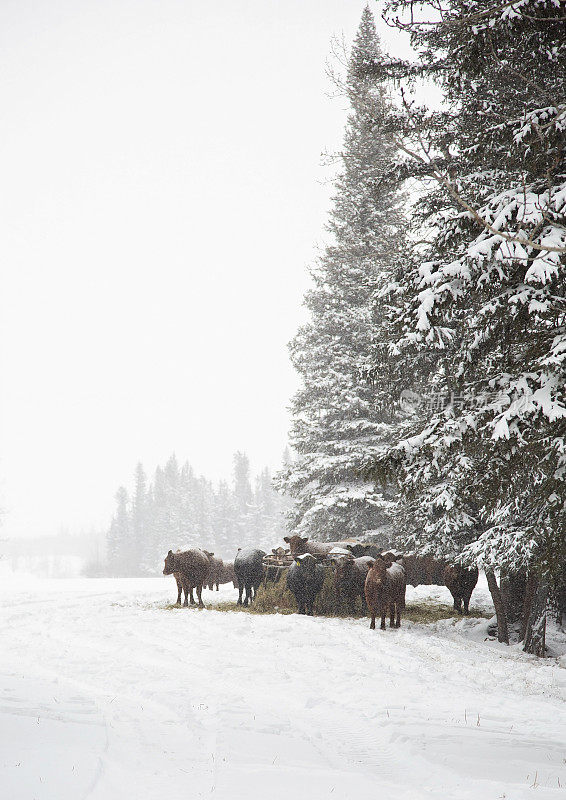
x,y
107,695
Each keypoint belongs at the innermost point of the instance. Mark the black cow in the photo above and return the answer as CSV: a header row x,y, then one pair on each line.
x,y
350,578
249,569
368,549
461,582
304,579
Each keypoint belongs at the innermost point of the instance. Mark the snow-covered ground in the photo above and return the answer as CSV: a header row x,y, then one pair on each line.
x,y
106,694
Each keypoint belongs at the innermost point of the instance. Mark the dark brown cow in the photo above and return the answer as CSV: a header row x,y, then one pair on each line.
x,y
427,571
273,572
300,545
385,592
183,586
350,578
227,575
423,570
461,582
365,549
192,566
213,578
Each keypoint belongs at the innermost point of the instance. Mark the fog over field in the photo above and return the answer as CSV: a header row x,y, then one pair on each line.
x,y
163,196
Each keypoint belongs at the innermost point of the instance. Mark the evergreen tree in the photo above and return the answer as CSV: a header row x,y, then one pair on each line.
x,y
485,474
337,423
224,522
180,511
242,484
120,536
139,518
264,493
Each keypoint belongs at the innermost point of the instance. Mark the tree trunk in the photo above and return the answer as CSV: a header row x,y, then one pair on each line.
x,y
530,591
535,636
502,631
512,586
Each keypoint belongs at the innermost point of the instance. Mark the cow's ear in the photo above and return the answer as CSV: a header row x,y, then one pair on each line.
x,y
170,553
305,539
286,539
274,550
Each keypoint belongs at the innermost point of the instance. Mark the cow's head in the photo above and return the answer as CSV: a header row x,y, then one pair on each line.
x,y
306,562
169,567
342,566
297,544
358,550
379,570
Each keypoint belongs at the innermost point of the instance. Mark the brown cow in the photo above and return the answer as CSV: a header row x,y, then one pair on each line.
x,y
192,566
183,586
349,580
213,578
227,575
427,571
385,592
302,544
461,582
423,570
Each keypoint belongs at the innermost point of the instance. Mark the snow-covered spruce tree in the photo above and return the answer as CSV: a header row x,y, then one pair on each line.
x,y
139,519
119,537
486,474
336,420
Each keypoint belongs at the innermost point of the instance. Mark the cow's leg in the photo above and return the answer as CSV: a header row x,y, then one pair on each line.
x,y
191,595
217,587
186,603
199,595
467,605
240,591
383,615
398,621
248,594
179,591
392,615
372,623
352,603
310,606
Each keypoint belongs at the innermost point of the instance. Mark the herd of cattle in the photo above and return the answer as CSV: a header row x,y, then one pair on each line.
x,y
360,570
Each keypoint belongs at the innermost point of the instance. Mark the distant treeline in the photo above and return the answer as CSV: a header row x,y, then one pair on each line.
x,y
61,555
178,509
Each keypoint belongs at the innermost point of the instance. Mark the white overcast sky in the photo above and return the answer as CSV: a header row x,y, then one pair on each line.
x,y
162,197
